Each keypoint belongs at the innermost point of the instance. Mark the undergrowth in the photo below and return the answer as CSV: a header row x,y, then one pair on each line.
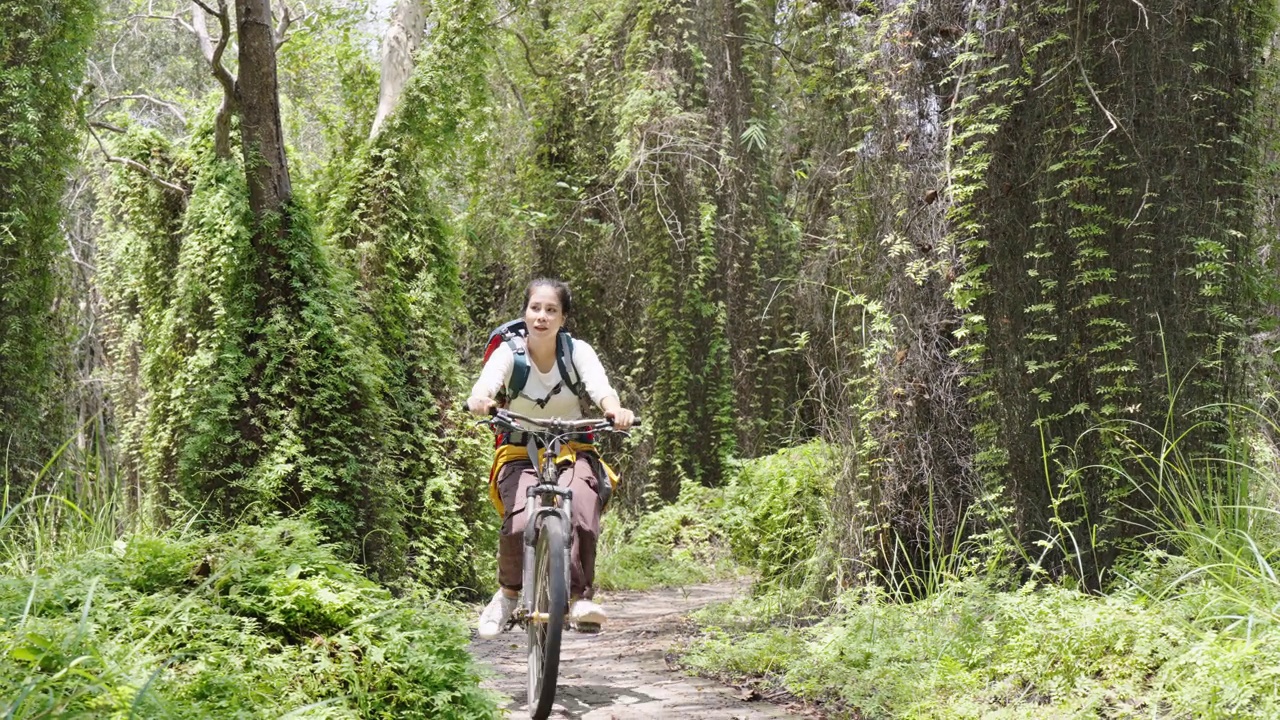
x,y
971,650
679,544
766,521
1185,628
260,621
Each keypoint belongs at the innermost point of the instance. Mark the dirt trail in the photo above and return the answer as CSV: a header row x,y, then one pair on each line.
x,y
621,673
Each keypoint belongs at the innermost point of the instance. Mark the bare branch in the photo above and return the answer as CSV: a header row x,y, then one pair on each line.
x,y
283,26
107,126
131,162
143,16
146,98
528,58
206,8
201,29
502,18
786,54
213,53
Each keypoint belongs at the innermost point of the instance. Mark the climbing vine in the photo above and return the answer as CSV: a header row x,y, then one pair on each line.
x,y
1112,218
42,51
259,400
399,244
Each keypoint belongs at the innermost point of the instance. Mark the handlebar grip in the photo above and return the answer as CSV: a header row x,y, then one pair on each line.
x,y
493,409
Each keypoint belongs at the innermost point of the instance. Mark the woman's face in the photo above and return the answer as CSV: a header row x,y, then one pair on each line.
x,y
543,315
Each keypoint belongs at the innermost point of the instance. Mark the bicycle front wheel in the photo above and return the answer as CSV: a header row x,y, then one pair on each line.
x,y
550,605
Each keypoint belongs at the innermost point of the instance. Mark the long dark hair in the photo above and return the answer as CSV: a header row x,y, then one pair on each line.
x,y
562,291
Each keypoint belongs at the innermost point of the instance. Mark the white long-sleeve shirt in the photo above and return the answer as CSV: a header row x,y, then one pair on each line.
x,y
563,403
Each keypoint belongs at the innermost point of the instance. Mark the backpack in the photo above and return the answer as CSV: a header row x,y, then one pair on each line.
x,y
515,335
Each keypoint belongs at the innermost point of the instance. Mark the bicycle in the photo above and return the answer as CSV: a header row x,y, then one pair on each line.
x,y
544,598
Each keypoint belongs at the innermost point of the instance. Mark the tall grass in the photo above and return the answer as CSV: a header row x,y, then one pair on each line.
x,y
71,506
1215,513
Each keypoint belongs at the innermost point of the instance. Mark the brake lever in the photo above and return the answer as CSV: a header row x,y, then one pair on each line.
x,y
611,428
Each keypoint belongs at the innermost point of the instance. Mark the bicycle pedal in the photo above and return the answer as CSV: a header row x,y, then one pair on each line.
x,y
587,628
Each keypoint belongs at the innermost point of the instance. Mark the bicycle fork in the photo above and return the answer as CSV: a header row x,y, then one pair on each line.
x,y
535,514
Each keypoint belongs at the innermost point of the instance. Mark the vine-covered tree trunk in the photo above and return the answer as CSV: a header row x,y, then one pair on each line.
x,y
756,256
391,225
1115,225
875,298
262,391
42,50
1050,259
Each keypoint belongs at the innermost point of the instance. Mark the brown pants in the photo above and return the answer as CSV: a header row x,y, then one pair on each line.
x,y
513,481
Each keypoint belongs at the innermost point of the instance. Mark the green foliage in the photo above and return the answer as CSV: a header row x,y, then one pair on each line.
x,y
967,652
328,88
261,396
267,384
678,544
395,241
42,51
768,519
691,410
1189,631
777,510
633,162
261,621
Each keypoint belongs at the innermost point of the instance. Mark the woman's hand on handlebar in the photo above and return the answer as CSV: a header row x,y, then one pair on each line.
x,y
622,418
481,405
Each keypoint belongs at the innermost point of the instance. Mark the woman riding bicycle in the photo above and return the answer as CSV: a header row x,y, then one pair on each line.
x,y
546,393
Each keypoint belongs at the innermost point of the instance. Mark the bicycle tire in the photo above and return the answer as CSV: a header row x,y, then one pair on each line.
x,y
551,600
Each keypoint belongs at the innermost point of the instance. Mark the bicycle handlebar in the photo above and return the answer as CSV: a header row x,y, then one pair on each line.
x,y
554,425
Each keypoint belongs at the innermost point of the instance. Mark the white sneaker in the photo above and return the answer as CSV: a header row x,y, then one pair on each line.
x,y
493,620
588,614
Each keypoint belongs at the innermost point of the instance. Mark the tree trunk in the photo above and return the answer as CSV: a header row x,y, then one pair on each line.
x,y
403,38
1103,231
262,135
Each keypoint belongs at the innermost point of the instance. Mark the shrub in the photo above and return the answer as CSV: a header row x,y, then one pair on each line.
x,y
679,544
768,519
775,512
261,621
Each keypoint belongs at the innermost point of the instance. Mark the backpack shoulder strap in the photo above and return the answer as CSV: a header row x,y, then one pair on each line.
x,y
512,334
564,360
519,364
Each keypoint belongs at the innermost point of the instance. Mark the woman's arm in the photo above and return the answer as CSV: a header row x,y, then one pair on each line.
x,y
492,378
593,378
621,417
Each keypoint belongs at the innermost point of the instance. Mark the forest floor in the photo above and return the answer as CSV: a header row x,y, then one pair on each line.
x,y
624,672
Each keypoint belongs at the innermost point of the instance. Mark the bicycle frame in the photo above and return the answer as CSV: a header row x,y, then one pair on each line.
x,y
548,529
540,505
546,498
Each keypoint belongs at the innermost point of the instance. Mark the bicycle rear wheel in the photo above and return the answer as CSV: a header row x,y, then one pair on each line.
x,y
550,604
